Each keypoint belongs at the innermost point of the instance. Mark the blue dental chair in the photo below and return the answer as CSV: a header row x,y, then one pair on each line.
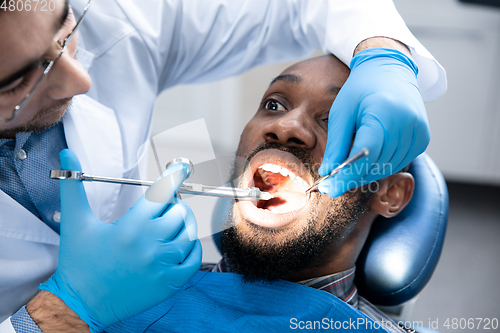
x,y
401,253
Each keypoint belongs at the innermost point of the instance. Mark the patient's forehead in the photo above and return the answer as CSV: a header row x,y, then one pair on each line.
x,y
323,70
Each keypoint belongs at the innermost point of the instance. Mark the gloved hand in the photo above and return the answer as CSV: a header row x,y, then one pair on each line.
x,y
381,102
109,272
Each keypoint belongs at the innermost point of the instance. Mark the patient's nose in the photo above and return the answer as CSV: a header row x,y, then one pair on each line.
x,y
293,128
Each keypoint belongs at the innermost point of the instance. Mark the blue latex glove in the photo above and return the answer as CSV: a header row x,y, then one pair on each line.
x,y
381,103
109,272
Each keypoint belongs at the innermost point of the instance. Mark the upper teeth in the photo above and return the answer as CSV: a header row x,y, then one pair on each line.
x,y
284,172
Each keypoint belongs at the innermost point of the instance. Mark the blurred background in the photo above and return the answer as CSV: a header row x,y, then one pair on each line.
x,y
465,144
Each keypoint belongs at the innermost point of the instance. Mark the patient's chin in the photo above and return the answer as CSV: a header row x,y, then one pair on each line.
x,y
266,234
256,262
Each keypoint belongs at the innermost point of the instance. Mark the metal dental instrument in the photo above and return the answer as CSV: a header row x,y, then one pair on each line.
x,y
362,153
249,193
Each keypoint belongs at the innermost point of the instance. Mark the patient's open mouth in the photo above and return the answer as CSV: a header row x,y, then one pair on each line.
x,y
285,177
287,188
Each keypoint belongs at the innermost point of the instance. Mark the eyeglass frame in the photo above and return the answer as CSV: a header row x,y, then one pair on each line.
x,y
63,44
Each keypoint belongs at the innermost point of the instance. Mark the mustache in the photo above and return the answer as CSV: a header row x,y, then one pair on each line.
x,y
303,155
56,105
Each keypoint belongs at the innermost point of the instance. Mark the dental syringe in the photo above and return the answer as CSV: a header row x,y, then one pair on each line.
x,y
249,193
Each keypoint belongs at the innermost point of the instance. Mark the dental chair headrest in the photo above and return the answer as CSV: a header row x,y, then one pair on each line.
x,y
401,253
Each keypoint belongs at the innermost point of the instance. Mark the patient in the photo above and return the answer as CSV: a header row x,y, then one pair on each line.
x,y
312,242
289,237
315,242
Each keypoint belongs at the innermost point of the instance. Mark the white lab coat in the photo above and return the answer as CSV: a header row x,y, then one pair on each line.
x,y
133,50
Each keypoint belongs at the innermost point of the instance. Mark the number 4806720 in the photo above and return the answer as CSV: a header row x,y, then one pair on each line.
x,y
28,5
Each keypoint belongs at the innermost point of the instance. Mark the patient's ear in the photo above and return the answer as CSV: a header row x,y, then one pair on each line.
x,y
393,195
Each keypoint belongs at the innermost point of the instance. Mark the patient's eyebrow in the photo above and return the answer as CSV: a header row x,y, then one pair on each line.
x,y
292,78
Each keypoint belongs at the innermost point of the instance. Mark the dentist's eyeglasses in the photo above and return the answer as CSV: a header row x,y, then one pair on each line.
x,y
46,65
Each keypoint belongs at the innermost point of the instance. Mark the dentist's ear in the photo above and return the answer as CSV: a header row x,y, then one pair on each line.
x,y
394,194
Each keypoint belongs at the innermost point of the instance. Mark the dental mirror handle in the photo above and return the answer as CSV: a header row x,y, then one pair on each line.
x,y
77,175
249,193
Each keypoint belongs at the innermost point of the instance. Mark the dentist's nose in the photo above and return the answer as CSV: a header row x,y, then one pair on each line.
x,y
67,78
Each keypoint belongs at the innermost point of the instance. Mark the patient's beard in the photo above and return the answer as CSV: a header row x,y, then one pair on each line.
x,y
256,255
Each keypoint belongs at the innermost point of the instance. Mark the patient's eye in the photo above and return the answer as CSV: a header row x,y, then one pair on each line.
x,y
274,106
